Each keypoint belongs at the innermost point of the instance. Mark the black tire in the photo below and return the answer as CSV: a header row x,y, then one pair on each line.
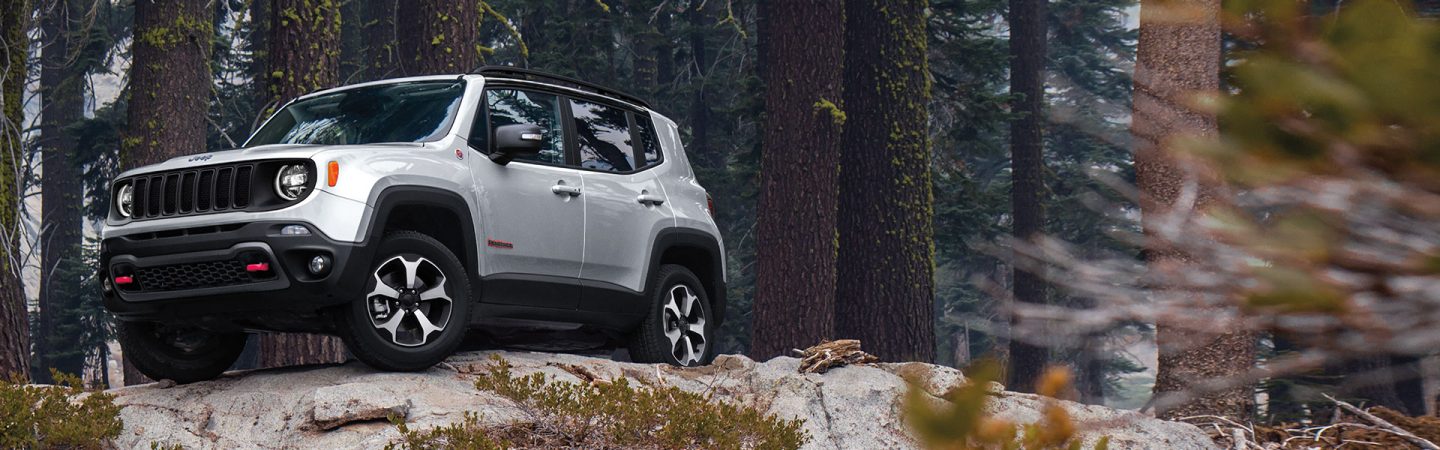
x,y
650,344
181,354
382,349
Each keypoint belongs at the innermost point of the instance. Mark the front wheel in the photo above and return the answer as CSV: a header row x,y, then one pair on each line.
x,y
677,330
178,353
417,307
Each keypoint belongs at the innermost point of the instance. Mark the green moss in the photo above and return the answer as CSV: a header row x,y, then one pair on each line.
x,y
836,114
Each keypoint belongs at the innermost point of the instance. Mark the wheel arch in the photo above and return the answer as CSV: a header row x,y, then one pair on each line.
x,y
437,213
698,251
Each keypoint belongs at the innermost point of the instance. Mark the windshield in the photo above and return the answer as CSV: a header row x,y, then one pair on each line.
x,y
417,111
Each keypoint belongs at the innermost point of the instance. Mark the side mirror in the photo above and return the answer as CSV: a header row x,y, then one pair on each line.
x,y
518,140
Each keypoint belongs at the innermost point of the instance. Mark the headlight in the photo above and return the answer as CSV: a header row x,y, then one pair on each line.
x,y
125,200
292,181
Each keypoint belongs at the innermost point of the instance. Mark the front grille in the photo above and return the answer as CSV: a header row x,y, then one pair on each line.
x,y
185,192
209,274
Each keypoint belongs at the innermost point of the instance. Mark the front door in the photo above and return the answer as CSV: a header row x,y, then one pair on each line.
x,y
534,212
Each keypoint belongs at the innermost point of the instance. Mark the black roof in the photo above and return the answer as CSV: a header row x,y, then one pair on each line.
x,y
520,73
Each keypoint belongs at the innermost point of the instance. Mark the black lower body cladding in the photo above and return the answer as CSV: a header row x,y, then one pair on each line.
x,y
228,274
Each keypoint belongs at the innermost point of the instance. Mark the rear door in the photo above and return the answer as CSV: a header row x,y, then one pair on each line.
x,y
533,208
625,206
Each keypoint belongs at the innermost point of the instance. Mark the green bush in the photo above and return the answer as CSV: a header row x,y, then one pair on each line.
x,y
62,416
607,414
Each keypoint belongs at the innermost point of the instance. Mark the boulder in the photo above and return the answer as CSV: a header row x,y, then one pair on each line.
x,y
349,406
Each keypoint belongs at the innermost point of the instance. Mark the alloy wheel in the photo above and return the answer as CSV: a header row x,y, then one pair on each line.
x,y
685,325
409,300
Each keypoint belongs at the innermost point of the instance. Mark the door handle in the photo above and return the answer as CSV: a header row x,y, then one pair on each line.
x,y
647,199
560,188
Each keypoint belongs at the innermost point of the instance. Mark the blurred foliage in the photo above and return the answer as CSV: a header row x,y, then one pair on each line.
x,y
62,416
960,419
607,414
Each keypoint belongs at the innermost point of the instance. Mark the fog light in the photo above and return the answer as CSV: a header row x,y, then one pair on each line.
x,y
319,265
107,285
294,230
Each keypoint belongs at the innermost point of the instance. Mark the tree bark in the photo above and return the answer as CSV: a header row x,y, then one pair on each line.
x,y
379,40
440,36
795,227
14,320
62,104
304,56
1178,56
699,106
885,294
169,88
1027,170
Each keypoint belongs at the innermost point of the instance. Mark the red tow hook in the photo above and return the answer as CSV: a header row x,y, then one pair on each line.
x,y
257,267
124,279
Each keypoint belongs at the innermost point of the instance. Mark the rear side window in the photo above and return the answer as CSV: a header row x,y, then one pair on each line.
x,y
649,141
514,106
602,134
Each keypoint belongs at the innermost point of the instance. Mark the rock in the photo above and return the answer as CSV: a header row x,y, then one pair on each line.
x,y
347,406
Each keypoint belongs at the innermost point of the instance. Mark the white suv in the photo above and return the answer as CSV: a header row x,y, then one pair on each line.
x,y
398,213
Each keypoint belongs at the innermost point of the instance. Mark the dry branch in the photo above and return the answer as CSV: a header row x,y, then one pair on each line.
x,y
830,354
1383,424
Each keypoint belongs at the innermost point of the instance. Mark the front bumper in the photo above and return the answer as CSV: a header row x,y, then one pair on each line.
x,y
209,273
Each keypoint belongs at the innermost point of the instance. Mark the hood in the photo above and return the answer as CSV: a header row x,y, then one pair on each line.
x,y
262,152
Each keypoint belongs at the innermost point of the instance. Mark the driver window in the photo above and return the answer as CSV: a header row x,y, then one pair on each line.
x,y
514,106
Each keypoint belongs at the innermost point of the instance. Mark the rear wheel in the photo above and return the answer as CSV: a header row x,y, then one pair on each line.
x,y
677,330
179,353
417,307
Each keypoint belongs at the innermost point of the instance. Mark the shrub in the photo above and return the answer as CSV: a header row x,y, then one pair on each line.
x,y
607,414
61,416
960,422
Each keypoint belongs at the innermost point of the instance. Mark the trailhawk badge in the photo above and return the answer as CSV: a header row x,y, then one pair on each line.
x,y
459,154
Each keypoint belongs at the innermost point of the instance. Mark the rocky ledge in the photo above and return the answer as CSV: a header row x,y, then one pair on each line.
x,y
346,406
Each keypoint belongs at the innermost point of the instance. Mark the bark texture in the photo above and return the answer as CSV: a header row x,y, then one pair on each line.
x,y
440,36
14,323
378,38
169,88
304,56
1027,171
885,294
795,229
1178,56
62,104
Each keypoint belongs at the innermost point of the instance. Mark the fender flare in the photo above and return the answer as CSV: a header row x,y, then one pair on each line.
x,y
670,238
396,196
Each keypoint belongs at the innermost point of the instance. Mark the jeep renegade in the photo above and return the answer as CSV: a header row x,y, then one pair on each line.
x,y
396,214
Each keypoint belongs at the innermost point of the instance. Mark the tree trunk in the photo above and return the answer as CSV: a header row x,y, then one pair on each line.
x,y
795,227
304,56
1027,169
439,36
699,106
885,292
378,36
62,104
14,320
169,87
1178,56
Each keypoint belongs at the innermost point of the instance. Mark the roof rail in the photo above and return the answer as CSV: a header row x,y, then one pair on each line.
x,y
520,73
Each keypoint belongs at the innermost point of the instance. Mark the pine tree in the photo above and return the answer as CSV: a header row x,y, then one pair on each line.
x,y
885,293
795,228
14,321
438,37
62,104
303,56
1178,56
1027,169
169,87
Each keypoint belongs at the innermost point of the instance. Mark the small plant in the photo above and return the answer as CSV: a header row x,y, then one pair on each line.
x,y
607,414
962,422
61,416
